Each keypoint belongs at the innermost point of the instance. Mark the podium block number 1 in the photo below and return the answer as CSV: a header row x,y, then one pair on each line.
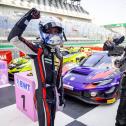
x,y
23,98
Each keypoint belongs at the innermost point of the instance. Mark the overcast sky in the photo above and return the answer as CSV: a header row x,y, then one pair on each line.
x,y
106,11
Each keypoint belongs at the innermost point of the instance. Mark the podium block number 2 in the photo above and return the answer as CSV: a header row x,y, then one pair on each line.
x,y
23,98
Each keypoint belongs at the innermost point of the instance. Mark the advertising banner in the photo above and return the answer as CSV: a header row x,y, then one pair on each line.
x,y
6,56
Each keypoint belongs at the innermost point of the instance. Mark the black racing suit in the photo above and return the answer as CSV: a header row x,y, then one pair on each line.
x,y
52,80
49,80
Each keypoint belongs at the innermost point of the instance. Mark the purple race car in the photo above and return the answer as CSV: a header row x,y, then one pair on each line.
x,y
96,80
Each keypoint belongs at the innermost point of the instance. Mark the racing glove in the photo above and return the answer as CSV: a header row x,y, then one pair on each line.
x,y
21,25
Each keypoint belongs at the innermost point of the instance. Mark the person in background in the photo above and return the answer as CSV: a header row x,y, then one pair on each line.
x,y
109,44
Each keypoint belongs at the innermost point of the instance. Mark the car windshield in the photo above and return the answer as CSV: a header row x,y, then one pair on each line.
x,y
70,54
97,60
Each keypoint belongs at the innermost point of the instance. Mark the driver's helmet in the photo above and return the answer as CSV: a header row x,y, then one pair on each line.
x,y
51,31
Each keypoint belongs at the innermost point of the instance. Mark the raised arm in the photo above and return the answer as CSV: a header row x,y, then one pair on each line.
x,y
15,35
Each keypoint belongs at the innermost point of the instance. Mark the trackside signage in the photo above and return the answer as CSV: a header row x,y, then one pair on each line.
x,y
3,57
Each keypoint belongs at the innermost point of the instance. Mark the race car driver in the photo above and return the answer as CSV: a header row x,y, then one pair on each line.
x,y
49,86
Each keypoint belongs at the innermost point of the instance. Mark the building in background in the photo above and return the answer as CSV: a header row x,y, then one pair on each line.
x,y
119,28
76,20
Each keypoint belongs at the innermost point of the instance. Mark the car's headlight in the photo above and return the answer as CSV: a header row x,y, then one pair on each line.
x,y
100,83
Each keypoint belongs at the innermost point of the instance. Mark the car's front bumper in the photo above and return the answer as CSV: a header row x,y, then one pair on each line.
x,y
95,97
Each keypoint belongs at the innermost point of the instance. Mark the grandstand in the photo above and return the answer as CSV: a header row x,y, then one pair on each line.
x,y
76,20
119,28
55,7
